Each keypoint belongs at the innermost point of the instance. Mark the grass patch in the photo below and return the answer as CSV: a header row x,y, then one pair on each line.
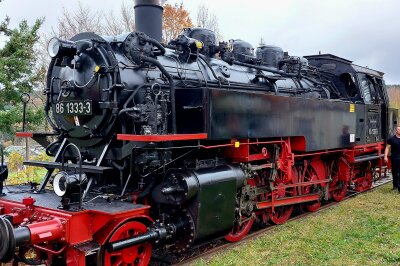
x,y
364,230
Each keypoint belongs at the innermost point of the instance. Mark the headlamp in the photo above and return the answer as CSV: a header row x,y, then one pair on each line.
x,y
67,183
60,48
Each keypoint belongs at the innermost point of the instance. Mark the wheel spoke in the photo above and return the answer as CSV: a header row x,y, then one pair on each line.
x,y
238,232
309,176
137,255
118,262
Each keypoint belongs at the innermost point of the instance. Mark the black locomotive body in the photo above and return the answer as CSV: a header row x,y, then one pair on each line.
x,y
163,146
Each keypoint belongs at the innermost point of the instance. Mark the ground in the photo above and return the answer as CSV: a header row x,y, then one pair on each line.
x,y
364,230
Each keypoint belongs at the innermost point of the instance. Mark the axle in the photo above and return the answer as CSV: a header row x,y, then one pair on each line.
x,y
157,232
119,245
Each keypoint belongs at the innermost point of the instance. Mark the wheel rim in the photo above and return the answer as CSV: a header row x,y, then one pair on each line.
x,y
366,182
131,256
282,214
311,175
340,193
340,172
239,231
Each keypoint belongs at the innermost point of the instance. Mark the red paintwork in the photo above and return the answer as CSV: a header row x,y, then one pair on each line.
x,y
160,138
251,151
72,228
140,254
49,251
47,230
28,201
246,152
24,134
298,143
67,228
279,214
75,257
240,231
288,201
319,169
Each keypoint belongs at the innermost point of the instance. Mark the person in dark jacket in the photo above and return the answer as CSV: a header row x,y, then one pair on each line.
x,y
393,146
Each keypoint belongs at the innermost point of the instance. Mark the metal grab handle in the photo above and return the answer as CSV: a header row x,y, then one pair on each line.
x,y
79,157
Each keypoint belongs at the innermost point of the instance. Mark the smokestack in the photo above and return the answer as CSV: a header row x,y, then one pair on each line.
x,y
148,18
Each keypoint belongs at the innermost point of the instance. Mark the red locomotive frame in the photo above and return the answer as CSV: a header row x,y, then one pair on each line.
x,y
297,175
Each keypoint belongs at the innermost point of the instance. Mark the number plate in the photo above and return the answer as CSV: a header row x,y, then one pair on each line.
x,y
74,107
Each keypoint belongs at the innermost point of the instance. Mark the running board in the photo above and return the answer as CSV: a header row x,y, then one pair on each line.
x,y
368,157
69,166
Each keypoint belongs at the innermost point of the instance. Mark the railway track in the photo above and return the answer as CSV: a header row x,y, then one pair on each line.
x,y
209,249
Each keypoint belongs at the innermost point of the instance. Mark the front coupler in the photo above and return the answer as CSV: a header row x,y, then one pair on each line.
x,y
34,233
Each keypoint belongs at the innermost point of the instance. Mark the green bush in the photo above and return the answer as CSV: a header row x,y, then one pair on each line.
x,y
15,161
20,174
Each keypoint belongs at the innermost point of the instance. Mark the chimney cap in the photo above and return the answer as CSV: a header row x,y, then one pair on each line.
x,y
148,3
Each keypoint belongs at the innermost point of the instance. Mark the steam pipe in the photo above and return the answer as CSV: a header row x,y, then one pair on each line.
x,y
158,45
210,67
280,72
171,85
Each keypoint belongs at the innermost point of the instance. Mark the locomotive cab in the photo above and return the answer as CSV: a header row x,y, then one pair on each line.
x,y
365,88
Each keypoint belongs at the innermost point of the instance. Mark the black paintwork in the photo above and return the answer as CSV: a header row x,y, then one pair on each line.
x,y
51,201
209,195
325,124
140,87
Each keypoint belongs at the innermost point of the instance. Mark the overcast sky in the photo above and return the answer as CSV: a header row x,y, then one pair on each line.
x,y
364,31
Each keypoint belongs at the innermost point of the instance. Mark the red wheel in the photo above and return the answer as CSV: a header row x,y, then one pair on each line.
x,y
239,231
365,183
311,175
131,256
282,214
341,191
340,172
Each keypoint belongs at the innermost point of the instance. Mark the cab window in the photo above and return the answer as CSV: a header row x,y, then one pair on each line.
x,y
369,92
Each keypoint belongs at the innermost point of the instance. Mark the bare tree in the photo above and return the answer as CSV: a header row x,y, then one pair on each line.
x,y
208,20
112,25
81,20
85,19
115,25
127,17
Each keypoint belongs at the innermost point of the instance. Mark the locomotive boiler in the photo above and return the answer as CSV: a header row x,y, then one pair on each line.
x,y
158,147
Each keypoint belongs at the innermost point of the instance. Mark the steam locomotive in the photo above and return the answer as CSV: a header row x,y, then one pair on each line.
x,y
166,146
